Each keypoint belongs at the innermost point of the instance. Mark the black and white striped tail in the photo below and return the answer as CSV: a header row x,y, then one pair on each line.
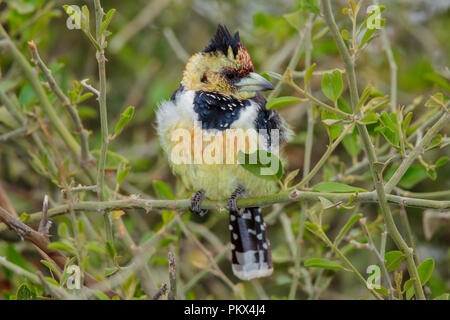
x,y
250,248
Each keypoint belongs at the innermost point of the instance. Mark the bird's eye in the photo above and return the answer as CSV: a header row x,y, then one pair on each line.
x,y
230,75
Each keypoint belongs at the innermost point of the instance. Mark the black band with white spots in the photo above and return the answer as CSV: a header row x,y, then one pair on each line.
x,y
217,111
250,248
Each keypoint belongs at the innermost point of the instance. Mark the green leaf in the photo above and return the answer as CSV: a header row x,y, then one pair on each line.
x,y
310,5
437,79
382,290
326,204
444,296
15,257
332,85
351,143
393,260
364,24
63,230
323,263
279,102
309,73
125,118
25,217
425,270
84,97
369,32
101,295
345,34
108,272
390,135
262,164
80,226
167,216
347,226
335,187
334,130
313,228
275,75
408,287
51,267
295,19
85,16
51,281
107,21
122,174
406,121
435,142
370,118
162,190
110,250
441,161
25,293
431,173
415,174
61,246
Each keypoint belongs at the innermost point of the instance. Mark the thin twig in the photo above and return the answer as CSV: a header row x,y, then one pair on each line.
x,y
172,277
101,60
45,224
87,86
19,132
65,101
380,258
161,291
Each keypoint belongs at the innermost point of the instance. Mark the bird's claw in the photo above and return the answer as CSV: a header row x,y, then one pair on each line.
x,y
231,203
196,200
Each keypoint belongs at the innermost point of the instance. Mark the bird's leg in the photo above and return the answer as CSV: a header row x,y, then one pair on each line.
x,y
231,203
196,200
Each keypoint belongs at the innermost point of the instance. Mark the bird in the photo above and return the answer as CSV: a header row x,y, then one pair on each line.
x,y
221,92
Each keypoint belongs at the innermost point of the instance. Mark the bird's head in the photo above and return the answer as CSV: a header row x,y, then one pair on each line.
x,y
224,66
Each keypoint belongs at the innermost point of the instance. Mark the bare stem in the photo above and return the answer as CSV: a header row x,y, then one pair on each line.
x,y
379,257
101,60
369,148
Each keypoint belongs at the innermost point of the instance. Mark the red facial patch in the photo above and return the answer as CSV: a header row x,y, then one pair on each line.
x,y
244,61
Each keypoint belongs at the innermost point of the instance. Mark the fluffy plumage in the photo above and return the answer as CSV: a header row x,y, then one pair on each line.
x,y
220,92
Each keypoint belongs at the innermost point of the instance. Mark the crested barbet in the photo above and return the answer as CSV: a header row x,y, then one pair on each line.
x,y
220,98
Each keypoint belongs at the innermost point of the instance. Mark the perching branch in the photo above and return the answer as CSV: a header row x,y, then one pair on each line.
x,y
283,197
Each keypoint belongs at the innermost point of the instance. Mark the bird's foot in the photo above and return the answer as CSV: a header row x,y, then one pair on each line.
x,y
231,203
196,200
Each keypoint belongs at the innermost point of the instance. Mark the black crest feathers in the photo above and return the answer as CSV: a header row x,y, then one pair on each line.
x,y
222,40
